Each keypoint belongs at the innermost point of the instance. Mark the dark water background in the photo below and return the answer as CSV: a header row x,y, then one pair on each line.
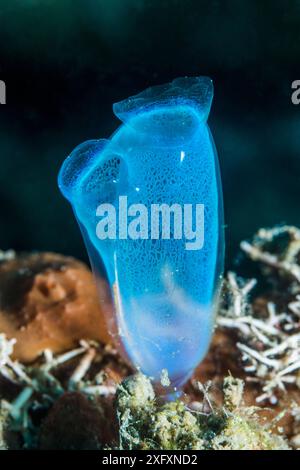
x,y
66,62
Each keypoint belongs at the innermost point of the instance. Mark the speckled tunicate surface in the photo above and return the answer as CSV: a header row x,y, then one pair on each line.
x,y
163,153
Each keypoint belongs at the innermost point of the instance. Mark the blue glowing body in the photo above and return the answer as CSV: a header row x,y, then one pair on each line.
x,y
165,295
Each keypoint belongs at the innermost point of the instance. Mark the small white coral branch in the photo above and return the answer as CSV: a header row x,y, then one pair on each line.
x,y
6,349
285,261
11,370
271,260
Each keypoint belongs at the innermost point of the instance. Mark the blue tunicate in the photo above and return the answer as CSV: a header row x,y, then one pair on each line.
x,y
165,295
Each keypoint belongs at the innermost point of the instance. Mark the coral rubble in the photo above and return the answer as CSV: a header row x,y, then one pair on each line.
x,y
82,380
245,395
145,424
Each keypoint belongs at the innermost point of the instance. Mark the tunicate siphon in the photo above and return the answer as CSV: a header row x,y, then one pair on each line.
x,y
149,205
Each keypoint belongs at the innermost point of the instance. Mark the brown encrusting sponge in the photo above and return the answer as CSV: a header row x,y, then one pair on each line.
x,y
49,301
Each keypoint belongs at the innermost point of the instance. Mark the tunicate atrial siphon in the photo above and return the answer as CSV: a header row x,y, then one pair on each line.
x,y
149,204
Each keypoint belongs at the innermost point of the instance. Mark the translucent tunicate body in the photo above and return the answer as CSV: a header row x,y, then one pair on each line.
x,y
165,295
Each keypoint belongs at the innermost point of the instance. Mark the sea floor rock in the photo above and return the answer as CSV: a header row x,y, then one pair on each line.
x,y
77,422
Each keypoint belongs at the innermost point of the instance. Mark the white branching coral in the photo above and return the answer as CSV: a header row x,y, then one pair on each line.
x,y
269,341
